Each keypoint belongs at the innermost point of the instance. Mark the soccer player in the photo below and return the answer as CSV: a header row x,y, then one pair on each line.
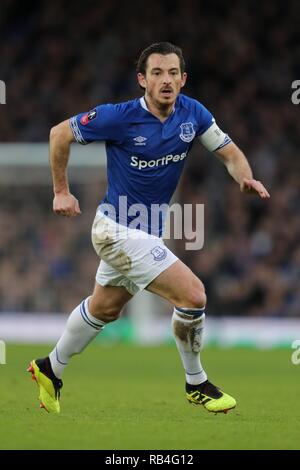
x,y
147,142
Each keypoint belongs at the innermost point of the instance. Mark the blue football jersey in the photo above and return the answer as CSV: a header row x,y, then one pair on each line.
x,y
145,157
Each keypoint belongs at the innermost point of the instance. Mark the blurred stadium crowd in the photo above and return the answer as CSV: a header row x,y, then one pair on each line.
x,y
241,57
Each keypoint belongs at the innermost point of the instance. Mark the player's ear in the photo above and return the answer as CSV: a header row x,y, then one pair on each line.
x,y
141,79
183,79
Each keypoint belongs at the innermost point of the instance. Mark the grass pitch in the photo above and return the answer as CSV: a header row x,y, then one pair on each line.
x,y
130,397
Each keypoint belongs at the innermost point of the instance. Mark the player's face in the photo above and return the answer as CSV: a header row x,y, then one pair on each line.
x,y
163,79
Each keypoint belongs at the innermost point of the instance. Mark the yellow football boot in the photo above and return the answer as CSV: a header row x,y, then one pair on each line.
x,y
49,385
210,396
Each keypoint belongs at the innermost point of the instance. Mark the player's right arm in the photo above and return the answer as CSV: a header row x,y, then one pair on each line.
x,y
61,137
102,123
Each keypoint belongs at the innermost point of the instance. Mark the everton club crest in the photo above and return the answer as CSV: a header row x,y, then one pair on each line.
x,y
187,131
158,253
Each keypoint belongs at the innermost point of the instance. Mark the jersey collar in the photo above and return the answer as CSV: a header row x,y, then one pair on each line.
x,y
144,104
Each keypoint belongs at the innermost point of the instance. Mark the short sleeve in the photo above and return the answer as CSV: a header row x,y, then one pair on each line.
x,y
204,118
102,123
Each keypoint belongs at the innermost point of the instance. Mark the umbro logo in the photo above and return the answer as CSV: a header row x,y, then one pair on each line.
x,y
140,140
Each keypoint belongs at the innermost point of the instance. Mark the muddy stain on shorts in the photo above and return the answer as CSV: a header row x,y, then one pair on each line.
x,y
117,259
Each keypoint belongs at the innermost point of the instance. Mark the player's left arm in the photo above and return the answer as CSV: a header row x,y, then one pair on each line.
x,y
239,168
216,141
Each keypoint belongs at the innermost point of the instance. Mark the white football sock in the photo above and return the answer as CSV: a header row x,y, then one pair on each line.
x,y
81,329
188,325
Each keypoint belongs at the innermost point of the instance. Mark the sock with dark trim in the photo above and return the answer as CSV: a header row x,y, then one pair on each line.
x,y
81,329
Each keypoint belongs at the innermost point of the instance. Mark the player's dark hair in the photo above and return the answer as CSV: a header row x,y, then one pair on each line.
x,y
163,48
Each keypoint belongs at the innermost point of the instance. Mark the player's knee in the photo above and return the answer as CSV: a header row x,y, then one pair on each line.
x,y
197,299
111,315
193,298
104,309
107,314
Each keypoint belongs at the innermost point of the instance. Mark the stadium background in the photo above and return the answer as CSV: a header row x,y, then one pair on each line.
x,y
60,58
241,59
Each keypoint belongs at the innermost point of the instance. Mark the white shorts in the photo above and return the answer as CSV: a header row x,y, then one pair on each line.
x,y
129,258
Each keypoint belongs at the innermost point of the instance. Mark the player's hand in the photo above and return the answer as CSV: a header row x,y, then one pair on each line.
x,y
66,204
254,187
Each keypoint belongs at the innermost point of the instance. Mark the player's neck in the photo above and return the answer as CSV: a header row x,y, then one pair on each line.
x,y
162,112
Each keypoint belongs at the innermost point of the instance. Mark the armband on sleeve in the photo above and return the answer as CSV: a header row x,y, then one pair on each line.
x,y
76,131
214,138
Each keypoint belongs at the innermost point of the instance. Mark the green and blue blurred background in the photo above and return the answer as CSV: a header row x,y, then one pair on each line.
x,y
127,391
